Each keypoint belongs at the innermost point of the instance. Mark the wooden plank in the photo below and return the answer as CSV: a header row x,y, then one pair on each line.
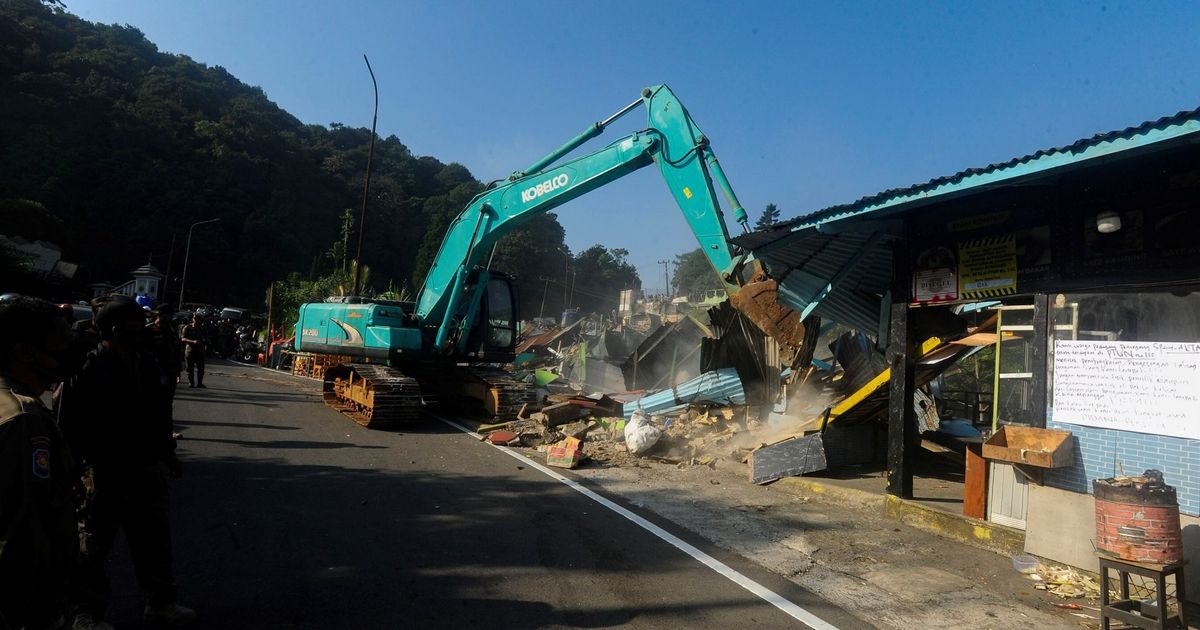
x,y
902,430
975,483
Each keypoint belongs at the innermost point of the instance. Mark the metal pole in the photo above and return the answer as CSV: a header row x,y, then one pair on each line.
x,y
186,253
667,276
542,309
362,221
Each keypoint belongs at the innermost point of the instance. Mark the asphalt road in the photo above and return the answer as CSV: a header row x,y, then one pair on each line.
x,y
290,516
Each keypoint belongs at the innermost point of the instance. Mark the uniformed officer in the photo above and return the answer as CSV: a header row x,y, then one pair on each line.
x,y
38,540
113,419
195,348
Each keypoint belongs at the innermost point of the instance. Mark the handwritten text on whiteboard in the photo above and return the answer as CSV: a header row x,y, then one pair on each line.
x,y
1148,387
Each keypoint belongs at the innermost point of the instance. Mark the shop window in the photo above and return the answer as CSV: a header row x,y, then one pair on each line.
x,y
1165,317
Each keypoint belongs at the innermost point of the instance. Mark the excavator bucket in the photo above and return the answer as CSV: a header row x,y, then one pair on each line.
x,y
757,300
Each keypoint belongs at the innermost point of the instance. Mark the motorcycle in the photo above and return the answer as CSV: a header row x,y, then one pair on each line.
x,y
248,348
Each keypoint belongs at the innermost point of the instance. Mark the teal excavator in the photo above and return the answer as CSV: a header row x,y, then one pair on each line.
x,y
407,354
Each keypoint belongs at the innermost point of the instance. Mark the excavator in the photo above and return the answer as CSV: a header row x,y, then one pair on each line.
x,y
405,355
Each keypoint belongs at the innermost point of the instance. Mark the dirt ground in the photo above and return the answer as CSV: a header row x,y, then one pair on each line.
x,y
888,574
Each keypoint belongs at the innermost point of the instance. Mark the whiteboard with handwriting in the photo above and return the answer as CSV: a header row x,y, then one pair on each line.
x,y
1148,387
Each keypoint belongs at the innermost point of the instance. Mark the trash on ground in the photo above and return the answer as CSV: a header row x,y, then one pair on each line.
x,y
1025,564
507,438
1064,582
641,434
565,454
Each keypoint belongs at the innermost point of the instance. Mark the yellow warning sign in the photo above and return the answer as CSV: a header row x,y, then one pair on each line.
x,y
987,267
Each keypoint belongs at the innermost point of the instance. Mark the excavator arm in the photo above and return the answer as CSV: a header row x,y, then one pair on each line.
x,y
672,140
466,312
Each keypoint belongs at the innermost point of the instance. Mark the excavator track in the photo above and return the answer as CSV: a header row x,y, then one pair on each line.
x,y
373,395
502,395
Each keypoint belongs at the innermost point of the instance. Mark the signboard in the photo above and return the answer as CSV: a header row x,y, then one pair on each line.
x,y
935,276
935,285
1148,387
987,267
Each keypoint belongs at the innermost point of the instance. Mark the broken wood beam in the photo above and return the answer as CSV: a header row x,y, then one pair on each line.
x,y
563,413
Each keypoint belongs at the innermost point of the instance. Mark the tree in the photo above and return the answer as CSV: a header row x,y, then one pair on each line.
x,y
534,255
770,216
337,252
599,276
127,145
15,275
694,274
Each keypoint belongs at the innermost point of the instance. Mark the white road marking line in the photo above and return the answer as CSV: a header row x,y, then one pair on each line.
x,y
776,600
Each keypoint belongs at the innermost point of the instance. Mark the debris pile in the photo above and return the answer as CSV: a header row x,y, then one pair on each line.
x,y
1064,582
695,386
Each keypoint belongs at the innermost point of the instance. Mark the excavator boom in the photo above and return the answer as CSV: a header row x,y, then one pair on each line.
x,y
466,312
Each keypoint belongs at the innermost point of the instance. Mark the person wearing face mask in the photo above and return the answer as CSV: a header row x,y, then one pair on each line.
x,y
111,415
38,541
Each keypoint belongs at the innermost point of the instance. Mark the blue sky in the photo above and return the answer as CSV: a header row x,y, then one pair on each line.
x,y
807,104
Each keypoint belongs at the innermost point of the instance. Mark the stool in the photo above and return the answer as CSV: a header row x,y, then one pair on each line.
x,y
1135,612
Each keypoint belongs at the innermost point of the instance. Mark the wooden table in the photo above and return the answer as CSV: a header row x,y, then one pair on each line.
x,y
1136,612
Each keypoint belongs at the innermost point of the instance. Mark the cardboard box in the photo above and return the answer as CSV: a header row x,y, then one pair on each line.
x,y
1045,448
566,454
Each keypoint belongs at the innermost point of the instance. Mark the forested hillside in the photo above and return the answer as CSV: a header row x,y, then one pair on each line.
x,y
110,148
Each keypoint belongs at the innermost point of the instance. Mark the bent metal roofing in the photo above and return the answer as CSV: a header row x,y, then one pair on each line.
x,y
1183,127
840,273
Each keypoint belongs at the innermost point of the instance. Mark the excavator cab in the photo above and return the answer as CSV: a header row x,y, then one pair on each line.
x,y
494,335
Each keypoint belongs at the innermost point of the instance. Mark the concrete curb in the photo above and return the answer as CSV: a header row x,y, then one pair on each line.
x,y
997,538
847,496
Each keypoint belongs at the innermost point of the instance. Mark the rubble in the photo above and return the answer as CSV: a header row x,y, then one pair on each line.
x,y
1064,582
561,413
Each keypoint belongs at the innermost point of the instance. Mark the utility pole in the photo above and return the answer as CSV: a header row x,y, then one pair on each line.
x,y
566,269
666,275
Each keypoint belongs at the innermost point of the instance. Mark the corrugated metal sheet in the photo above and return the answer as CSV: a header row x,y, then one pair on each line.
x,y
547,338
1164,132
805,260
805,263
720,387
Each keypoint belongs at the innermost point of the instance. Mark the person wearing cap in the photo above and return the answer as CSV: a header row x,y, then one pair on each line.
x,y
195,348
112,418
38,540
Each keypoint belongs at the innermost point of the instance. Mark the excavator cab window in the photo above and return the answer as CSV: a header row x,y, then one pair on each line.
x,y
501,316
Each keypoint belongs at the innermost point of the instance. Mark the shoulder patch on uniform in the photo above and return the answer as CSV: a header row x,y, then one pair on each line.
x,y
41,463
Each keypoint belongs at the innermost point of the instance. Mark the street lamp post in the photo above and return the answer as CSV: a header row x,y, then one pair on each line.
x,y
188,252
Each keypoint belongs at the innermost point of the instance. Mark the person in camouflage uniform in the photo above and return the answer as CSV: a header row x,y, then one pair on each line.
x,y
38,539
